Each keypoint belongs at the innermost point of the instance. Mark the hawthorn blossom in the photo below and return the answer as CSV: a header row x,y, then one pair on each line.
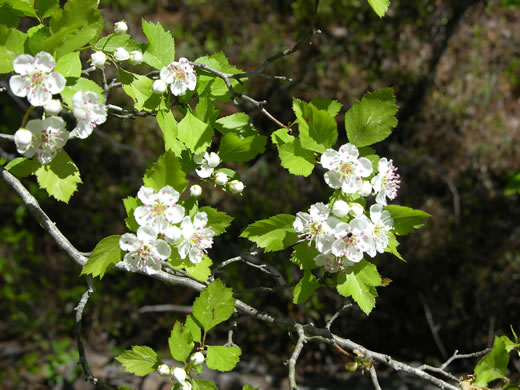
x,y
121,54
98,59
120,27
221,178
352,239
36,78
180,75
179,374
347,170
89,113
197,238
316,226
208,162
197,358
386,182
381,223
164,370
42,138
145,251
340,208
136,57
195,191
159,87
236,186
331,263
159,208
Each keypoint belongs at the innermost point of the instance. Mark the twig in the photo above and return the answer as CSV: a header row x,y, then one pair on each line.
x,y
456,356
336,315
294,357
373,377
165,308
8,137
433,328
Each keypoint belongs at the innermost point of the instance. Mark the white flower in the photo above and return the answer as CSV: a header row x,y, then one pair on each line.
x,y
47,138
36,78
121,54
386,182
52,107
236,186
159,87
382,223
89,113
208,162
340,208
221,178
159,208
197,358
357,209
145,251
331,263
352,239
164,370
316,226
195,191
98,59
196,237
346,169
136,57
180,75
180,375
120,27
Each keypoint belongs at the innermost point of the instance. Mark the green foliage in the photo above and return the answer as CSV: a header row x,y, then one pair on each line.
x,y
208,83
139,88
304,255
60,177
112,42
272,234
380,7
406,220
494,365
23,167
223,358
69,65
169,129
45,8
218,220
200,271
331,106
106,253
160,51
294,157
234,148
84,85
201,384
131,203
194,328
305,287
317,128
214,305
372,119
180,342
392,246
513,184
194,133
11,45
140,360
166,171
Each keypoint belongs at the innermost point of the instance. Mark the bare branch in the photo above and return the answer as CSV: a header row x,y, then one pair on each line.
x,y
433,328
165,308
373,377
294,357
8,137
456,356
336,315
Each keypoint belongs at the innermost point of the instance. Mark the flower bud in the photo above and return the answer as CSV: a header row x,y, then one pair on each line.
x,y
52,107
136,57
23,140
159,87
340,208
356,209
98,59
213,159
197,358
221,178
195,191
164,370
120,27
121,54
236,186
179,374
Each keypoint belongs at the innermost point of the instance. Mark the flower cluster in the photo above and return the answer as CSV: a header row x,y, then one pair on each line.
x,y
180,374
163,225
207,162
180,76
344,232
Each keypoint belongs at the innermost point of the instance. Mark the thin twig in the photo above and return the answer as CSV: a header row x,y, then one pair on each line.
x,y
434,329
294,357
373,377
81,349
165,308
8,137
336,315
456,356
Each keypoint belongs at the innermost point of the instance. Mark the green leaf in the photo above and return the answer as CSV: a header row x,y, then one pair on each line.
x,y
160,51
194,328
84,85
273,234
406,220
216,86
239,124
18,7
493,365
513,184
168,127
317,129
11,46
69,65
106,253
45,8
131,203
180,342
360,283
60,177
195,134
223,358
200,271
331,106
140,361
206,111
392,246
234,148
294,157
304,255
372,119
166,171
305,287
218,220
379,6
214,305
112,42
139,88
201,384
22,167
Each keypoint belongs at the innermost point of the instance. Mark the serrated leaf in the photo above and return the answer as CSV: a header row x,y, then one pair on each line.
x,y
333,107
84,85
194,328
493,365
169,129
214,305
131,203
317,128
208,83
106,253
305,287
360,283
11,46
297,160
166,171
201,384
19,7
139,88
304,255
272,234
372,119
160,51
206,111
218,220
22,166
200,271
112,42
379,6
45,8
406,219
60,177
392,246
140,361
238,123
180,342
194,133
234,148
69,65
223,358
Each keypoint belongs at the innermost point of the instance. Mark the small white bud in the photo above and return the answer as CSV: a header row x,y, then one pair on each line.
x,y
159,87
23,140
179,374
98,59
120,27
236,186
356,209
136,57
52,107
164,370
121,54
221,178
195,191
340,208
213,159
197,358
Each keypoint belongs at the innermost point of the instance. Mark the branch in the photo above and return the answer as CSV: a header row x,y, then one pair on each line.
x,y
79,313
8,137
165,308
373,377
294,357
